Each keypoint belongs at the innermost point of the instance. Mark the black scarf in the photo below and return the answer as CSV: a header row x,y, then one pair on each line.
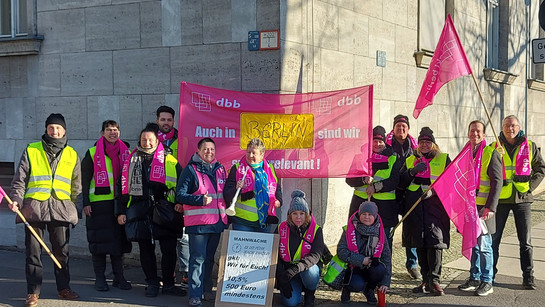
x,y
53,146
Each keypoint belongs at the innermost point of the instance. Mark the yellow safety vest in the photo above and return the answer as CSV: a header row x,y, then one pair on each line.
x,y
437,166
379,176
484,185
92,196
509,168
41,180
248,209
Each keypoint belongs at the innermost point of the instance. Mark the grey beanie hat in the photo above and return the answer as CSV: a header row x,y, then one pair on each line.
x,y
298,202
369,206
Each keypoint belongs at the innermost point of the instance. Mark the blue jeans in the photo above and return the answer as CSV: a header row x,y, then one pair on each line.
x,y
522,214
183,252
482,260
308,280
412,258
202,248
270,228
367,278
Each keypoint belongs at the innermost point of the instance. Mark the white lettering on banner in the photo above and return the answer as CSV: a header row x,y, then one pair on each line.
x,y
215,132
347,101
225,103
201,101
322,106
347,133
291,164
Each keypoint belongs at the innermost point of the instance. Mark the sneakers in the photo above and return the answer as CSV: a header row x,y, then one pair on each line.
x,y
370,296
528,283
345,296
435,289
422,288
415,273
174,290
195,302
152,290
485,288
32,300
122,284
68,294
184,280
469,285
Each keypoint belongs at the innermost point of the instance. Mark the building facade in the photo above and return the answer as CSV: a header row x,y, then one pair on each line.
x,y
120,59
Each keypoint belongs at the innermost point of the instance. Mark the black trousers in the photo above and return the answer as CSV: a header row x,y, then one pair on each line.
x,y
430,261
148,260
59,236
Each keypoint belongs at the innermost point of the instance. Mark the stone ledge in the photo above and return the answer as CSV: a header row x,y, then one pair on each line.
x,y
535,84
20,46
499,76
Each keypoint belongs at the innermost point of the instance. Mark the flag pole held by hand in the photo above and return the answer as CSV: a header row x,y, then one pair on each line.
x,y
231,210
22,217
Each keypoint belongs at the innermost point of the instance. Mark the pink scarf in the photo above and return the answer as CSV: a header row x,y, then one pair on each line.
x,y
165,136
522,163
390,138
157,172
101,172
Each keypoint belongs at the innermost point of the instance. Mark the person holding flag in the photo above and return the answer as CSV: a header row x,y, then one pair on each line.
x,y
100,171
488,172
427,227
45,188
523,171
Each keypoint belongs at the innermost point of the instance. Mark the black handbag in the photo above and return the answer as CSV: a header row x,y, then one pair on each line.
x,y
165,216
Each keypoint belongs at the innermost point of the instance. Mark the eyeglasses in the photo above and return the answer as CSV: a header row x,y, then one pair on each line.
x,y
511,126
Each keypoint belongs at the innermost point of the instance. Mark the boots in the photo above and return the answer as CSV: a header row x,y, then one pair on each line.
x,y
119,278
309,298
99,266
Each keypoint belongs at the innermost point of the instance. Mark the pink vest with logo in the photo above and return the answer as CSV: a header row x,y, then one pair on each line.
x,y
306,243
209,214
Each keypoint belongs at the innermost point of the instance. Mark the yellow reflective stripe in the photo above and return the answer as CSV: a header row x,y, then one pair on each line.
x,y
39,178
482,194
171,179
37,190
63,179
509,167
433,178
377,178
216,195
361,189
246,207
485,183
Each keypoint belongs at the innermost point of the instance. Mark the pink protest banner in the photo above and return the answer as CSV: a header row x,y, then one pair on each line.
x,y
456,188
449,62
312,135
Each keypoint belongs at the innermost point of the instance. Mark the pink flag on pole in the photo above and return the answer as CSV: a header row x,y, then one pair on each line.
x,y
456,188
449,62
2,194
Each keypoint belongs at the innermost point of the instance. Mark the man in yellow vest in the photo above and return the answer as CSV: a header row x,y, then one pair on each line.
x,y
523,171
488,169
45,188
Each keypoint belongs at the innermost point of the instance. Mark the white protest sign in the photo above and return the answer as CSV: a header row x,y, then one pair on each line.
x,y
247,268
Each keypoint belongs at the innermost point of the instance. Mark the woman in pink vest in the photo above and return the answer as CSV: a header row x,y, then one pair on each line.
x,y
200,190
363,247
300,250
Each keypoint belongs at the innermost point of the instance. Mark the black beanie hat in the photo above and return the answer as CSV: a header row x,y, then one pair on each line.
x,y
368,206
379,133
55,118
401,118
426,134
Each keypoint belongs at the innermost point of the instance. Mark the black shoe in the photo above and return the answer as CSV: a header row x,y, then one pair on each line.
x,y
152,290
484,289
122,284
309,298
345,296
435,289
422,288
469,285
370,296
100,284
414,273
528,283
174,290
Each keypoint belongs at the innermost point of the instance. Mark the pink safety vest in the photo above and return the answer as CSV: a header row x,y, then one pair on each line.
x,y
209,214
306,243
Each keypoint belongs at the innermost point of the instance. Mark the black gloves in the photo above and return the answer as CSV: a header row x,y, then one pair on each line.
x,y
284,285
292,271
419,167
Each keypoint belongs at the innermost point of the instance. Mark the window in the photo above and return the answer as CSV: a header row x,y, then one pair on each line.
x,y
13,18
431,19
493,34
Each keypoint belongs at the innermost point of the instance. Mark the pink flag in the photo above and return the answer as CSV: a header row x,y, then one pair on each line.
x,y
449,62
456,188
2,194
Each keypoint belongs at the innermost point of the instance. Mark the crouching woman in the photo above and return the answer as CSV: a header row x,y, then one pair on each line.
x,y
300,250
362,246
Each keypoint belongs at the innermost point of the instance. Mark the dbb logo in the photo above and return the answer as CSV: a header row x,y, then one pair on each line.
x,y
224,102
347,100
